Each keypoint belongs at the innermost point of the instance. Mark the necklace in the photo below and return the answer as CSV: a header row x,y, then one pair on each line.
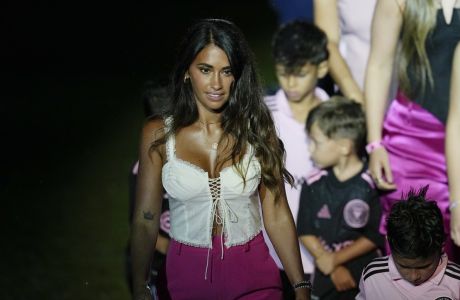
x,y
214,145
208,123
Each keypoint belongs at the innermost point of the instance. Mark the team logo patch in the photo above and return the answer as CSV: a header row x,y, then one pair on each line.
x,y
324,212
164,222
356,213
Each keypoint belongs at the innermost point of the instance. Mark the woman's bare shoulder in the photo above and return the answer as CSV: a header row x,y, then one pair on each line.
x,y
153,129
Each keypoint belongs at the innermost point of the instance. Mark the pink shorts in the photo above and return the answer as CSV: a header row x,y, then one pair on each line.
x,y
244,272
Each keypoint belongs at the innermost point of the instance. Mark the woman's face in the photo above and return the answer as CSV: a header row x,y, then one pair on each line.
x,y
211,78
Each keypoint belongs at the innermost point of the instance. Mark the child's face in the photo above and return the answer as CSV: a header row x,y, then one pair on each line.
x,y
416,270
299,85
325,152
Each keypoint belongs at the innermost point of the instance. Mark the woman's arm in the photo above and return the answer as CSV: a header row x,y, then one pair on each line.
x,y
386,26
327,18
453,146
146,218
280,227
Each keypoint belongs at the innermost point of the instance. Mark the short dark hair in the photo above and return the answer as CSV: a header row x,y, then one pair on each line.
x,y
340,117
155,98
415,226
299,42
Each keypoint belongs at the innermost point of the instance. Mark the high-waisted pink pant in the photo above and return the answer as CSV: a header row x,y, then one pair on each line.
x,y
415,140
242,272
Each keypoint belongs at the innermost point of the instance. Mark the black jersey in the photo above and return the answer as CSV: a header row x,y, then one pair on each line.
x,y
338,213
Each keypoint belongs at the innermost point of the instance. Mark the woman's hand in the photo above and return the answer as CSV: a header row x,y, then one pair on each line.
x,y
280,227
455,225
379,166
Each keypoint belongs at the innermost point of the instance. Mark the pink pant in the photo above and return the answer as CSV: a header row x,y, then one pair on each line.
x,y
415,139
245,272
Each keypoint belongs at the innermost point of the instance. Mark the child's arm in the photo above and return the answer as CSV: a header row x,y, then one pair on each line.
x,y
313,245
342,279
328,261
340,276
369,239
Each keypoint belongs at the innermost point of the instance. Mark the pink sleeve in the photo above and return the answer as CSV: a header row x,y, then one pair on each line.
x,y
362,292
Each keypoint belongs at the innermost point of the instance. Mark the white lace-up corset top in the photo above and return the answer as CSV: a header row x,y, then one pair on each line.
x,y
195,200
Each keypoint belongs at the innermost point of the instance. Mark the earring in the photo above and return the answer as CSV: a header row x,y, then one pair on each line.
x,y
186,78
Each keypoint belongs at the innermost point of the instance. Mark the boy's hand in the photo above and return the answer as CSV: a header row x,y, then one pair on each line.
x,y
342,279
326,262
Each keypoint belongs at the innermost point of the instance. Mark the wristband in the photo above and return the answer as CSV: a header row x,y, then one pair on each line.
x,y
372,146
304,284
453,204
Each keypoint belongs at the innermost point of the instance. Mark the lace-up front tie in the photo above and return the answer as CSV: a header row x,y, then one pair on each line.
x,y
221,213
197,202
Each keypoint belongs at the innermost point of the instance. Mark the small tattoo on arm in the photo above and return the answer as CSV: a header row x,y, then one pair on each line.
x,y
148,215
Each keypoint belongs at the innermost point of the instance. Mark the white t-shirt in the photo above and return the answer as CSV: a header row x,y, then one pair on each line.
x,y
298,162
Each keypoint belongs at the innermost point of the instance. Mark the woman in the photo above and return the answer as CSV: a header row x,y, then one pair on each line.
x,y
347,24
452,146
407,145
216,153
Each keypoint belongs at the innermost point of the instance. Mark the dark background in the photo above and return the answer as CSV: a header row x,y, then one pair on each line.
x,y
72,74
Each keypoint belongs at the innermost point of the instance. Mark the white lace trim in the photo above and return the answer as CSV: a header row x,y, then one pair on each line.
x,y
228,245
171,153
169,144
245,241
189,164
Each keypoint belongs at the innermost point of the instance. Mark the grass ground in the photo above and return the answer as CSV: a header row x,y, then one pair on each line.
x,y
69,141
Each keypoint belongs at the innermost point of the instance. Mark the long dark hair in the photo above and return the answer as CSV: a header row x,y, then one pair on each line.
x,y
245,118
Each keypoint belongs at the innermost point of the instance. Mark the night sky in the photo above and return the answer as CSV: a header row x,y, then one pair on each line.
x,y
72,75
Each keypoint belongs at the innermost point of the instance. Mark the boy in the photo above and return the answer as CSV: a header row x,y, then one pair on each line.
x,y
339,211
300,54
417,268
